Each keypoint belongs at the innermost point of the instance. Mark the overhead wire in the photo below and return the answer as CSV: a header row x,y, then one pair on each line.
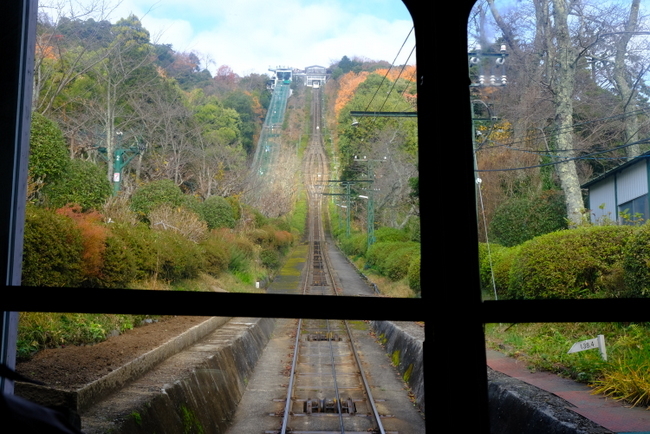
x,y
558,131
391,66
565,160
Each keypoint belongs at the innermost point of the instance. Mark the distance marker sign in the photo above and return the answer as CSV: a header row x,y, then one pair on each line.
x,y
589,344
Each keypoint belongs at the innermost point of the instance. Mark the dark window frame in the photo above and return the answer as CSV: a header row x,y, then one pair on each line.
x,y
455,347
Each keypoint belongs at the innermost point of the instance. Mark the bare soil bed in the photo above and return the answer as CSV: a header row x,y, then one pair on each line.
x,y
72,367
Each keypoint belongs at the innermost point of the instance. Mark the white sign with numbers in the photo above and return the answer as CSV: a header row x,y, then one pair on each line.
x,y
589,344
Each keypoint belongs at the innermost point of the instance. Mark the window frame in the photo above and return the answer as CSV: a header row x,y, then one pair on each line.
x,y
455,347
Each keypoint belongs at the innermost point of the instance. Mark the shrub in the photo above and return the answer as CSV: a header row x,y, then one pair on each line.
x,y
48,153
177,257
497,263
141,242
397,263
270,258
636,263
241,253
216,253
119,266
178,219
569,263
83,183
93,234
52,250
385,234
217,212
413,275
523,218
378,255
356,245
154,194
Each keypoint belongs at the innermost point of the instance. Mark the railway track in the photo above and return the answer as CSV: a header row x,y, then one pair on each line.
x,y
328,391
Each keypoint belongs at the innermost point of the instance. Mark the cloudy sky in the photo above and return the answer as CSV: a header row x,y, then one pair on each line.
x,y
253,35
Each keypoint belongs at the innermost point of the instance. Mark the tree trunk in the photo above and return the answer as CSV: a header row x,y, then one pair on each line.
x,y
626,92
564,59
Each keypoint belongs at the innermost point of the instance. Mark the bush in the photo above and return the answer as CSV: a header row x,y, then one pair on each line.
x,y
413,275
379,255
178,219
154,194
523,218
217,212
396,265
216,253
498,263
119,266
83,183
141,242
177,257
93,233
356,245
270,258
568,264
48,153
52,250
636,264
385,234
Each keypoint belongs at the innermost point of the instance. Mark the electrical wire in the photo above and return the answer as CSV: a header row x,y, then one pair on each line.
x,y
566,160
391,66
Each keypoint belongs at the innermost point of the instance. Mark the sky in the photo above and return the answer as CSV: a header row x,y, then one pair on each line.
x,y
252,36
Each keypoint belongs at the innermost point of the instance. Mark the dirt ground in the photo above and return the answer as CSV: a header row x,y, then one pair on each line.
x,y
72,367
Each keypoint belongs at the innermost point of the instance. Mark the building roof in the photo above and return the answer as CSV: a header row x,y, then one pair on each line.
x,y
616,169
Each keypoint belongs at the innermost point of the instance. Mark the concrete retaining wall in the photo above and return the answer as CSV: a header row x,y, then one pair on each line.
x,y
201,388
406,352
519,408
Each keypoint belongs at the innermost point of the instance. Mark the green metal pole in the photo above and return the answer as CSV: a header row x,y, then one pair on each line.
x,y
347,229
371,219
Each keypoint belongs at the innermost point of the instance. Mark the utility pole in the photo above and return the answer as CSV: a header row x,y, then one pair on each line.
x,y
370,173
121,157
496,78
347,184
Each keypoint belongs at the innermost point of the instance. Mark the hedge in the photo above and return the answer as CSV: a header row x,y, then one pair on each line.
x,y
52,249
568,264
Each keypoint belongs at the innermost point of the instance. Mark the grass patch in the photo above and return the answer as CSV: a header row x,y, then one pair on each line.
x,y
624,376
41,330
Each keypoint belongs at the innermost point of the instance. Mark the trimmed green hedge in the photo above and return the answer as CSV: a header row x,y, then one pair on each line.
x,y
497,261
568,264
52,249
636,264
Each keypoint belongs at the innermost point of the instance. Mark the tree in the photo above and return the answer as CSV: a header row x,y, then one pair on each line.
x,y
566,68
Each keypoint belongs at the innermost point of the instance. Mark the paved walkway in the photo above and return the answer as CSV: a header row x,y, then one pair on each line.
x,y
609,414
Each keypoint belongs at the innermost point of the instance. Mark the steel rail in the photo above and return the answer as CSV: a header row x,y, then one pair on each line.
x,y
287,404
336,385
366,385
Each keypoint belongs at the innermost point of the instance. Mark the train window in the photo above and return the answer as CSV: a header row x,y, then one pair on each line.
x,y
20,36
223,175
560,140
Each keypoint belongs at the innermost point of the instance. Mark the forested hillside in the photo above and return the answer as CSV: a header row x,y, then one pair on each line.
x,y
140,159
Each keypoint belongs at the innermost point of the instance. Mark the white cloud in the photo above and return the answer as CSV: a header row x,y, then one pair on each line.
x,y
251,35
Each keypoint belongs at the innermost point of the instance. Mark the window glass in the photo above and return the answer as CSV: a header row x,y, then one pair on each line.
x,y
169,155
560,118
602,359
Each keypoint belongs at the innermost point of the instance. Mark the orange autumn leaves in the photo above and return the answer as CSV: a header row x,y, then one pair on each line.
x,y
348,83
